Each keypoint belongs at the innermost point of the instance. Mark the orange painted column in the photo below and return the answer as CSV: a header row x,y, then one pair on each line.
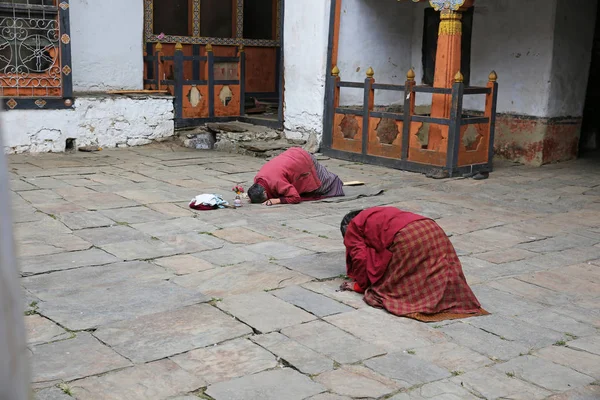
x,y
447,64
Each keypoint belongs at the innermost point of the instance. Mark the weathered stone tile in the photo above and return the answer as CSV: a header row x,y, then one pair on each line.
x,y
146,249
277,250
332,342
312,302
174,227
192,242
41,330
357,381
101,201
300,357
314,226
557,322
269,385
591,392
151,196
226,361
533,295
156,380
241,278
570,285
184,265
65,261
544,373
59,207
580,361
170,210
557,243
452,357
88,297
39,196
111,234
264,312
320,244
320,266
585,271
83,220
240,236
406,369
517,330
133,215
500,302
73,359
441,390
155,336
328,396
591,344
566,257
483,342
52,393
506,256
19,185
490,383
40,229
231,255
332,290
381,328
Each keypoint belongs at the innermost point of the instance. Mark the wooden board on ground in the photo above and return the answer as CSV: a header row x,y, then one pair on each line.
x,y
354,183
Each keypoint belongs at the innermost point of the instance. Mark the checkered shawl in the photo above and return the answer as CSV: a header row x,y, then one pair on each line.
x,y
424,279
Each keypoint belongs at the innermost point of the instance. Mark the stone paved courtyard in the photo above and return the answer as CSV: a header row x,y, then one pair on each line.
x,y
131,295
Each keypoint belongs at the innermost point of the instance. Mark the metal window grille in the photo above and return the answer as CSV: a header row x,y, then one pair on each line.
x,y
34,51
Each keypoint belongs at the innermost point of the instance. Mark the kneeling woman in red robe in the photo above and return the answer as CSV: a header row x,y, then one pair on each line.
x,y
405,263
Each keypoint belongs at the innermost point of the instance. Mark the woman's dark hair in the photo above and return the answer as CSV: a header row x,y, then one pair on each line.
x,y
257,193
346,220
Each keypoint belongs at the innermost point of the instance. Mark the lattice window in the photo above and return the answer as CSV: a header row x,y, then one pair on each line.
x,y
218,22
35,57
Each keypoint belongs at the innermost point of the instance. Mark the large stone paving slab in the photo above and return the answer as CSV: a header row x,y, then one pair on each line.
x,y
269,385
184,264
320,266
88,297
83,220
591,344
591,392
277,250
133,215
483,342
357,381
241,278
331,289
240,236
226,361
52,393
332,342
298,356
155,336
580,361
516,330
73,359
65,261
453,357
407,369
489,383
386,330
113,234
144,249
157,380
441,390
41,330
560,323
264,312
544,373
174,227
312,302
230,255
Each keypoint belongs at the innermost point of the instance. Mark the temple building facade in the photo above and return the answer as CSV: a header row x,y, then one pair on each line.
x,y
526,69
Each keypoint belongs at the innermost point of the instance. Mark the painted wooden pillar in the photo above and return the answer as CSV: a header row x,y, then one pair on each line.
x,y
447,64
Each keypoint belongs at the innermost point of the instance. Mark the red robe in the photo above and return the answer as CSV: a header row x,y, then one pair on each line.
x,y
289,175
367,239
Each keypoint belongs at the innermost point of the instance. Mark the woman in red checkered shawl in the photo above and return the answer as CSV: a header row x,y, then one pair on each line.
x,y
405,263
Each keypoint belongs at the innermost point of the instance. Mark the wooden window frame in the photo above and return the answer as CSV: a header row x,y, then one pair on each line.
x,y
62,71
238,27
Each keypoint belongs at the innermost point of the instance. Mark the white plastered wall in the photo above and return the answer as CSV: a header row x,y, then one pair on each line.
x,y
107,51
374,34
306,32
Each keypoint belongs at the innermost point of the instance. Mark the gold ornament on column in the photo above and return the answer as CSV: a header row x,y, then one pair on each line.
x,y
370,72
